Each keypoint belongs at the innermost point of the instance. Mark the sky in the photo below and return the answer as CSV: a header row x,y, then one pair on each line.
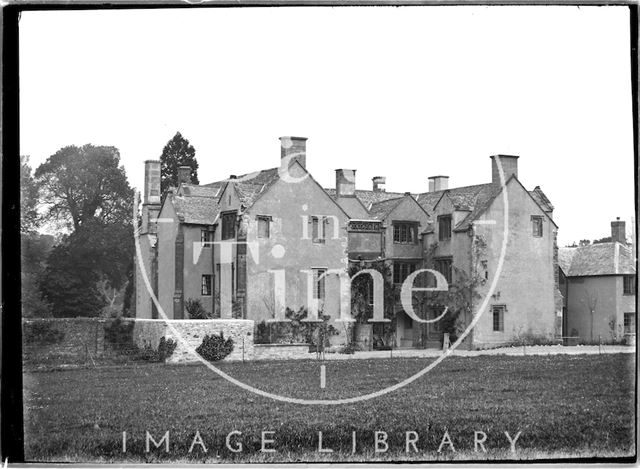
x,y
400,92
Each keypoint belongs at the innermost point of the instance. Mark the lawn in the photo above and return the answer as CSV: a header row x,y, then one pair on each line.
x,y
561,406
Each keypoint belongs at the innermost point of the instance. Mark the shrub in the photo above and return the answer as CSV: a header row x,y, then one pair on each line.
x,y
164,351
348,349
42,333
119,333
215,347
196,310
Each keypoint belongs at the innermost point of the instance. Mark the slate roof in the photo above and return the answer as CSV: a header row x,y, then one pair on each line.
x,y
194,190
196,210
380,210
596,259
250,185
369,197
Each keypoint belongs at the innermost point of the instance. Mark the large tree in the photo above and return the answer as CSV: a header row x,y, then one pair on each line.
x,y
86,189
80,184
177,152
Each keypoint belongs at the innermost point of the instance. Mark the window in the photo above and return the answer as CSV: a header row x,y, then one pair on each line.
x,y
317,229
206,238
206,285
263,226
405,233
401,270
629,285
229,225
536,226
498,318
444,267
444,227
318,283
629,323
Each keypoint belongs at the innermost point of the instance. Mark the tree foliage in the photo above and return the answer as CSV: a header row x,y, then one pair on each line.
x,y
82,184
86,189
34,250
28,198
177,152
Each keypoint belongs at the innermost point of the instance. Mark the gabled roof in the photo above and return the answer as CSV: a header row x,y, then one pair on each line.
x,y
194,190
195,210
380,210
541,199
596,259
476,200
369,197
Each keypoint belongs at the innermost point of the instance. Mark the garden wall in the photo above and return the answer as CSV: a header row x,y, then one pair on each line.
x,y
188,333
64,340
281,351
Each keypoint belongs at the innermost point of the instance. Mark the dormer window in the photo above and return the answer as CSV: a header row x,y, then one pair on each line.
x,y
444,227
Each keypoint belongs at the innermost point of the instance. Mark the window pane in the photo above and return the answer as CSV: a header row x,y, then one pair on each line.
x,y
263,227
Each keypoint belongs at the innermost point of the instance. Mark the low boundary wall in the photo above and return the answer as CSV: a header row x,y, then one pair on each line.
x,y
188,333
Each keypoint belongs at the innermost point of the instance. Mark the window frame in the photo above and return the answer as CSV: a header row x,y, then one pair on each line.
x,y
501,309
629,285
629,326
537,229
208,285
448,261
204,234
319,283
317,229
445,235
228,219
405,232
264,219
403,269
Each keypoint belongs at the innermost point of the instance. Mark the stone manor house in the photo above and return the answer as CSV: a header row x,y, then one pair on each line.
x,y
251,245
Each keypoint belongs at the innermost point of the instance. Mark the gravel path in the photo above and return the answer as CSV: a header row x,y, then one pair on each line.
x,y
513,351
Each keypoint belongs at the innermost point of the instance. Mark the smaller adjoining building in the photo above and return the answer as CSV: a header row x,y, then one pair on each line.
x,y
598,283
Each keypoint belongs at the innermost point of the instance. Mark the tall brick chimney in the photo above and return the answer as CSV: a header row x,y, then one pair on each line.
x,y
618,231
438,183
151,198
295,148
345,182
378,183
184,175
509,165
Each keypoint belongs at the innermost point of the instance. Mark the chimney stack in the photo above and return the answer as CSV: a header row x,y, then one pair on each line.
x,y
618,231
438,183
509,165
152,182
378,183
345,182
184,175
293,148
151,200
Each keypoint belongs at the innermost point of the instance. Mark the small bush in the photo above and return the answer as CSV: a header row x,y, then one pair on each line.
x,y
215,347
164,351
196,310
348,349
42,333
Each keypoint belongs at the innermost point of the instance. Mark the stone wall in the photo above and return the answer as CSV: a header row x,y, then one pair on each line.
x,y
188,333
81,340
281,351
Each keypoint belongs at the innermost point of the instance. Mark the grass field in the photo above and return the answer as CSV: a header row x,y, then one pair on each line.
x,y
563,406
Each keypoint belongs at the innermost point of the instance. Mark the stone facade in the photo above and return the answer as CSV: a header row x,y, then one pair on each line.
x,y
188,334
